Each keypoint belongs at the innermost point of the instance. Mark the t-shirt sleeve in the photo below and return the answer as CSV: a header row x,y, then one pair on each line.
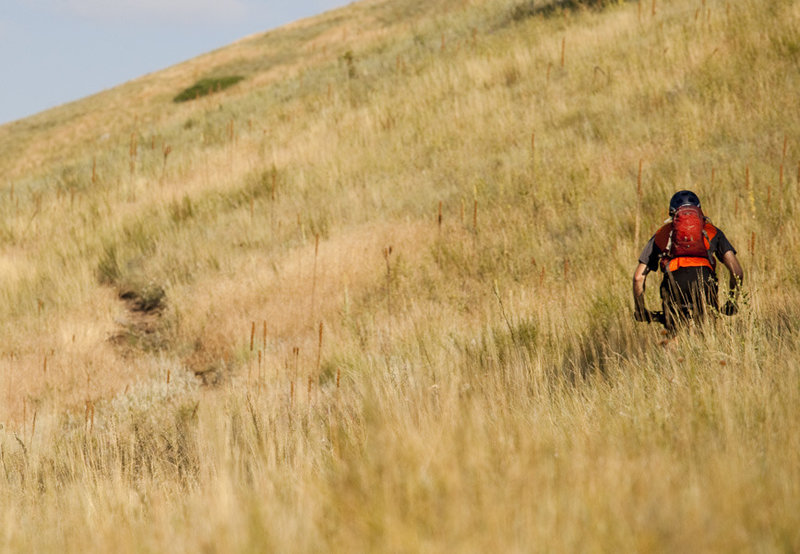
x,y
723,245
650,254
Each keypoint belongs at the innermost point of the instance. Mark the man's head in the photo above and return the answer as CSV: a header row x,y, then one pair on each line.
x,y
683,198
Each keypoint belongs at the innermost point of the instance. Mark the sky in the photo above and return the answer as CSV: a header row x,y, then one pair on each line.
x,y
56,51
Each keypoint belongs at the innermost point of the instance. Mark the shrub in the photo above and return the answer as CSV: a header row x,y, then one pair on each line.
x,y
204,87
529,8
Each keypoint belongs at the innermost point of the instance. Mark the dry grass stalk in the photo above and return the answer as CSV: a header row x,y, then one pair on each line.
x,y
387,253
637,225
439,219
785,145
132,152
295,363
747,179
563,50
33,425
750,193
319,348
783,161
314,276
252,334
296,354
274,182
166,149
89,416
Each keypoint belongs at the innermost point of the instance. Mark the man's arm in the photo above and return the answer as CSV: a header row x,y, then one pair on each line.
x,y
735,281
640,312
736,274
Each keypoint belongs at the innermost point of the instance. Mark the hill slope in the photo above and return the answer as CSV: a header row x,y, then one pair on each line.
x,y
375,295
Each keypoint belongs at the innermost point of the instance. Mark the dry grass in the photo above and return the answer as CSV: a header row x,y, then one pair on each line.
x,y
453,365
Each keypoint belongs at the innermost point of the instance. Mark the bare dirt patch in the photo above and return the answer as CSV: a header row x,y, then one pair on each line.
x,y
142,326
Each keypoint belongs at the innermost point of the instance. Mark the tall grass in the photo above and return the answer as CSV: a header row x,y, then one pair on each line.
x,y
420,383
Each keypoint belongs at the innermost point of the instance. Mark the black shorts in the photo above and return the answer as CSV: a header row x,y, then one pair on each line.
x,y
688,293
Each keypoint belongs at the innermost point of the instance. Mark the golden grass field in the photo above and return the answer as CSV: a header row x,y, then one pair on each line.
x,y
376,296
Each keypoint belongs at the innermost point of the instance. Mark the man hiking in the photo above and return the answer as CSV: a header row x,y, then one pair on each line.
x,y
684,249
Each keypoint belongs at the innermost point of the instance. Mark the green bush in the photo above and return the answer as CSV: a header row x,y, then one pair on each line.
x,y
529,8
205,87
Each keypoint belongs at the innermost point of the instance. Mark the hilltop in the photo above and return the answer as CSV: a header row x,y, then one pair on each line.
x,y
363,283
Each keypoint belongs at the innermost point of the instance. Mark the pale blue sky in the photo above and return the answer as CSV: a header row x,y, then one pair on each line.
x,y
56,51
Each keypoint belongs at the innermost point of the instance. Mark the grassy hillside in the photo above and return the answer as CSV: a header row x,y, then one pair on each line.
x,y
375,295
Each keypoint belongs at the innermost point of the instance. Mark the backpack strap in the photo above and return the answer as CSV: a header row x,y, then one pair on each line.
x,y
663,236
709,232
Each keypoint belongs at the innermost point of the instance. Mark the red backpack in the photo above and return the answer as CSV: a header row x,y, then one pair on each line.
x,y
688,237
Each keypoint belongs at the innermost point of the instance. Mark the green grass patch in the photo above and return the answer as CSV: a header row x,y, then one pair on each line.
x,y
529,8
204,87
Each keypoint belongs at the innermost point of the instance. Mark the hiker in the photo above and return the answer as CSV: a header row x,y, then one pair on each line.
x,y
684,249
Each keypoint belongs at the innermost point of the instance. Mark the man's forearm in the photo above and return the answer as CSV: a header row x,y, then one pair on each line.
x,y
639,278
638,295
736,275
